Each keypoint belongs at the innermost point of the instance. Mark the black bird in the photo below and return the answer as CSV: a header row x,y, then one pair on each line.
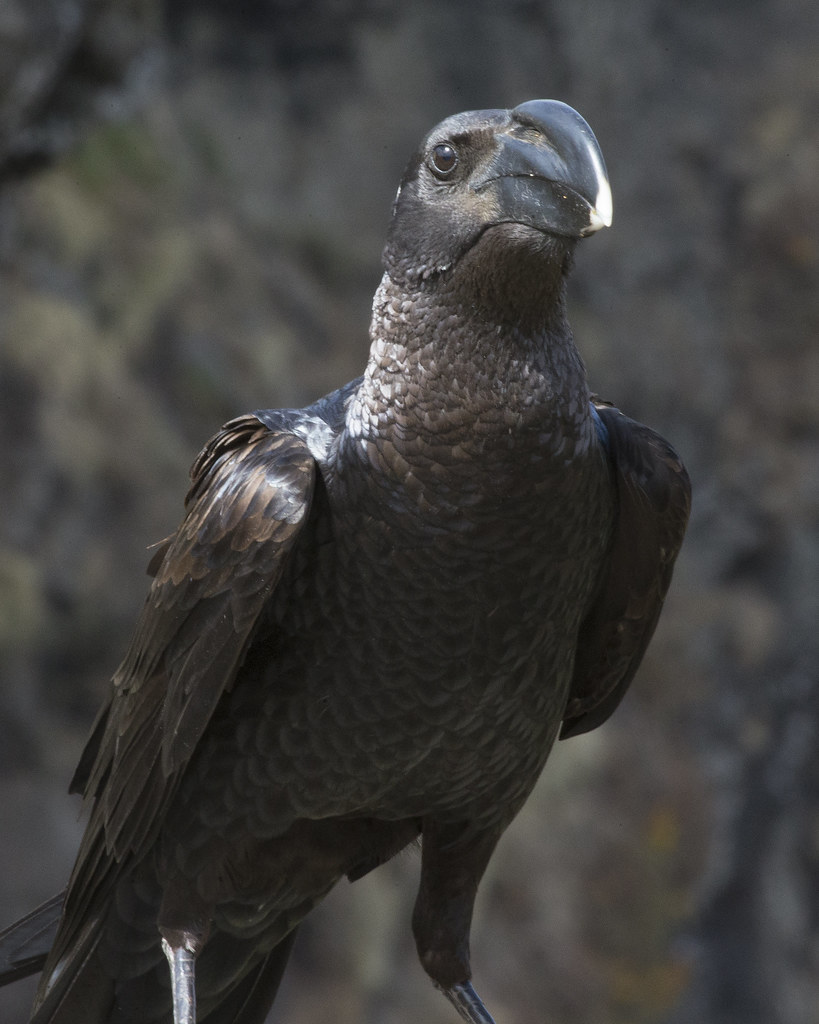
x,y
377,614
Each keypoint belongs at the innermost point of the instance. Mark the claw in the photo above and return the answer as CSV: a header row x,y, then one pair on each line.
x,y
183,977
468,1003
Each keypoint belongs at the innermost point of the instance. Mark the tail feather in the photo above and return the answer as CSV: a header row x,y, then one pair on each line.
x,y
251,999
76,990
113,971
25,944
106,964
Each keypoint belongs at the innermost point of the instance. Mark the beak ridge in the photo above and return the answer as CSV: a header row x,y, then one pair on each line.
x,y
550,170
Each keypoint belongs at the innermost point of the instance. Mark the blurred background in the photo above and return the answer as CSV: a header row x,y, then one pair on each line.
x,y
193,205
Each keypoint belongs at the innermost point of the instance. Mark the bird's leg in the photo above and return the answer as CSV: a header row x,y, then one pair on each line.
x,y
453,861
184,925
183,981
468,1003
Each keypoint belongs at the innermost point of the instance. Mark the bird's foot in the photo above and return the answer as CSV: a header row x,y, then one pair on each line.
x,y
183,977
468,1003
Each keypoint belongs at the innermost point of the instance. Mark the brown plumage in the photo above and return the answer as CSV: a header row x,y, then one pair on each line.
x,y
377,613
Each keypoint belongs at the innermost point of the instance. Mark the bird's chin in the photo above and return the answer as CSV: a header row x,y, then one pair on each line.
x,y
521,239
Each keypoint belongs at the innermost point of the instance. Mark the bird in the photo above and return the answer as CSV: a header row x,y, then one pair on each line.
x,y
377,615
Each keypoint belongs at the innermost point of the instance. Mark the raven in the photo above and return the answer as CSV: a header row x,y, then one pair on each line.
x,y
377,614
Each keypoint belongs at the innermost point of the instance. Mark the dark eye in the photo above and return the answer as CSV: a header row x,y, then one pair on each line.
x,y
443,159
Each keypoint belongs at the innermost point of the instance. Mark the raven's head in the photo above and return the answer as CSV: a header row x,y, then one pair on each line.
x,y
537,168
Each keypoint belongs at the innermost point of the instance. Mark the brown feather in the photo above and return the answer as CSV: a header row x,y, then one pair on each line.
x,y
251,493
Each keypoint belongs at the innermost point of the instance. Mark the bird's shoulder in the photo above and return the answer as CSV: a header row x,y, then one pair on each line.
x,y
653,496
251,484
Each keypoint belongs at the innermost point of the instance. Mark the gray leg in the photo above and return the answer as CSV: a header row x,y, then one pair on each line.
x,y
183,977
468,1003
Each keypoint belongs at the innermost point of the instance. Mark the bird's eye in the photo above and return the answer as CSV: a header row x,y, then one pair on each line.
x,y
443,159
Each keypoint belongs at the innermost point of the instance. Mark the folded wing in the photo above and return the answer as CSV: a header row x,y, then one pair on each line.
x,y
654,499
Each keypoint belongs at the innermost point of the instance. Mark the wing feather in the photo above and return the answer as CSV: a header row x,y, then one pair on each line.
x,y
251,493
654,501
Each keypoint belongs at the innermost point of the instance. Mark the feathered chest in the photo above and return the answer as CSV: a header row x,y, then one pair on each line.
x,y
432,607
461,580
491,510
441,448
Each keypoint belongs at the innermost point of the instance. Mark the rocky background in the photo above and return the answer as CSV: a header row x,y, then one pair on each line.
x,y
193,204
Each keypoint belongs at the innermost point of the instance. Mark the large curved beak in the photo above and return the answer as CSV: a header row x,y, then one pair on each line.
x,y
548,171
